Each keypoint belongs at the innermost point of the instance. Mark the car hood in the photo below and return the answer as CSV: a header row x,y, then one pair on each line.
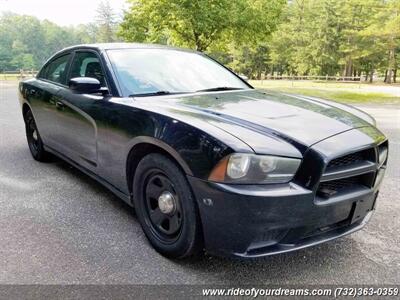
x,y
299,119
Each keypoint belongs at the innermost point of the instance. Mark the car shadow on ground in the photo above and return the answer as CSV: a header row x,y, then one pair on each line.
x,y
95,186
277,268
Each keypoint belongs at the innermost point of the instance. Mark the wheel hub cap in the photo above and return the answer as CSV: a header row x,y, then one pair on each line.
x,y
166,203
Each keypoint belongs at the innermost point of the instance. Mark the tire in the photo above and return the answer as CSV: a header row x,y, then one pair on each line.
x,y
35,142
172,223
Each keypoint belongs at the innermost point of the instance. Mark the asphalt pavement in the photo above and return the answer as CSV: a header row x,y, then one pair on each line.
x,y
58,226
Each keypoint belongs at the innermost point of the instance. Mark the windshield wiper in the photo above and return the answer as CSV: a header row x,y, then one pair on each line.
x,y
220,88
161,93
158,93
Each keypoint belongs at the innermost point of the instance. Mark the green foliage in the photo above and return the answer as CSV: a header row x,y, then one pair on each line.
x,y
201,24
106,23
18,41
234,32
256,37
383,33
185,23
26,42
334,37
253,37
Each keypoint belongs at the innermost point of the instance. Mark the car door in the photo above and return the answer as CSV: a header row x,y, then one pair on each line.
x,y
78,113
43,97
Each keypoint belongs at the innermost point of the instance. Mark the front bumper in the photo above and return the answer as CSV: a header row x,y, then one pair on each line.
x,y
254,221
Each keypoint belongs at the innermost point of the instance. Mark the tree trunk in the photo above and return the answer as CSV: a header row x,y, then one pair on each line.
x,y
348,69
394,75
386,74
371,75
390,66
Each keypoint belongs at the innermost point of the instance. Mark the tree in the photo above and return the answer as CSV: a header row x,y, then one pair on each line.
x,y
106,23
86,33
200,24
307,39
355,16
20,35
26,42
385,31
332,37
253,37
194,24
249,39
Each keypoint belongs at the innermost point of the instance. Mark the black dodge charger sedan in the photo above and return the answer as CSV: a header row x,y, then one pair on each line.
x,y
207,161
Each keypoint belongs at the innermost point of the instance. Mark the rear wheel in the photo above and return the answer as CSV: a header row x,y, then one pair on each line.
x,y
34,140
166,207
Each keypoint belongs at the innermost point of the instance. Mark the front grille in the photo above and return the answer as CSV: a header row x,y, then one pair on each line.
x,y
336,187
339,184
348,173
352,158
345,160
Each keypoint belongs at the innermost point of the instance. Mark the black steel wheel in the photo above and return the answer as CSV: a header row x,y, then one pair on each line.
x,y
162,206
34,140
166,208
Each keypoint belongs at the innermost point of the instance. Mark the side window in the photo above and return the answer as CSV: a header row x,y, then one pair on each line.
x,y
87,64
56,70
42,73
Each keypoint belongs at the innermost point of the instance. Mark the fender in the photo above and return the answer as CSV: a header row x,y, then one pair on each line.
x,y
158,143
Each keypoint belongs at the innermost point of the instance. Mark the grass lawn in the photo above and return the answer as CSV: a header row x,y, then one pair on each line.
x,y
9,77
341,92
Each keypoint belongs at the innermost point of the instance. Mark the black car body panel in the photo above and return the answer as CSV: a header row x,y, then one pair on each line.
x,y
104,136
287,217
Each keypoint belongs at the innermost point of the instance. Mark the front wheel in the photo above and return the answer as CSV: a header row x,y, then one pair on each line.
x,y
35,142
166,208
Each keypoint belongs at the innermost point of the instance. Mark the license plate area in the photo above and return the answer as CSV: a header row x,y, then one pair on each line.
x,y
361,208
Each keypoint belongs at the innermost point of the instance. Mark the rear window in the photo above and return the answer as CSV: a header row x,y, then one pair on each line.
x,y
56,70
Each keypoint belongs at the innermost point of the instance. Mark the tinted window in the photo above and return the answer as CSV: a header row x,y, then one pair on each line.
x,y
87,64
42,73
56,70
151,70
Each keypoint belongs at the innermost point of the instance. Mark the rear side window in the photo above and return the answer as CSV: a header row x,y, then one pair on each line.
x,y
56,70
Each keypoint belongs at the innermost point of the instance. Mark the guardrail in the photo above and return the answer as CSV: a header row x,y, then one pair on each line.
x,y
19,74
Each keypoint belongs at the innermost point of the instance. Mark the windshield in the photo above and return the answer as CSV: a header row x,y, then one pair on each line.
x,y
142,72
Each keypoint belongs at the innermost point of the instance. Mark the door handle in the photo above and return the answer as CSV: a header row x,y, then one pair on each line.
x,y
60,105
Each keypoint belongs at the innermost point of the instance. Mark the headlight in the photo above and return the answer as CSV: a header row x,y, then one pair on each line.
x,y
254,169
383,154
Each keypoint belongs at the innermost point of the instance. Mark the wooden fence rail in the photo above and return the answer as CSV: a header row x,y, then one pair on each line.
x,y
318,78
19,74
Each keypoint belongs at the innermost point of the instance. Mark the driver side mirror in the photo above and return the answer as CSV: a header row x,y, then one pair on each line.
x,y
86,85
